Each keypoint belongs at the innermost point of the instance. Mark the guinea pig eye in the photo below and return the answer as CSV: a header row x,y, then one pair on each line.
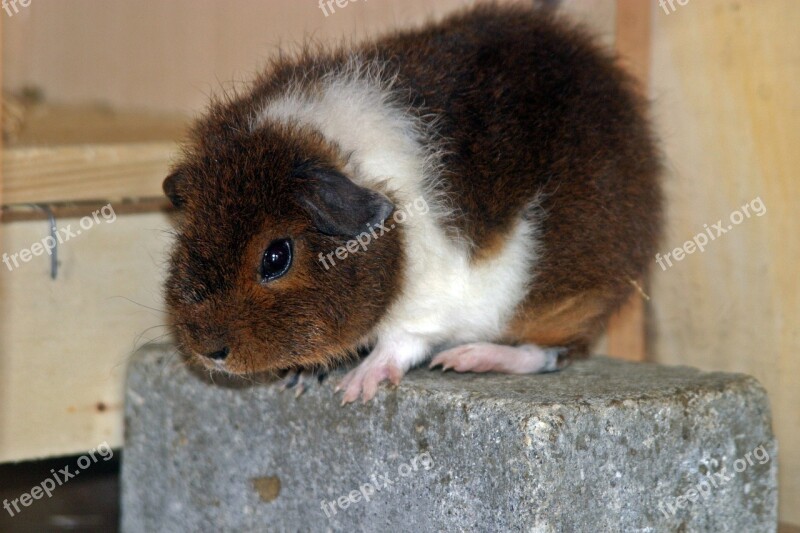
x,y
277,260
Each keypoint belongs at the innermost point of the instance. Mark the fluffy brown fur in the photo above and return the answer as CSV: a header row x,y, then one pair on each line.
x,y
533,119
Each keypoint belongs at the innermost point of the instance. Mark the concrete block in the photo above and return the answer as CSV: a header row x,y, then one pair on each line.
x,y
601,446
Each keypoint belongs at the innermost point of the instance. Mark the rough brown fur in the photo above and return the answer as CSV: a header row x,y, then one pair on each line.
x,y
532,119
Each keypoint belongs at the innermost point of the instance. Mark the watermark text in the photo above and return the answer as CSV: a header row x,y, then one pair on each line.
x,y
701,240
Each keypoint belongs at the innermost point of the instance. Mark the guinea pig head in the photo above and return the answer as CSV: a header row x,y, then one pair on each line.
x,y
281,260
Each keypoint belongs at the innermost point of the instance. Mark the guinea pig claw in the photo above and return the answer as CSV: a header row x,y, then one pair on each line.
x,y
445,367
301,380
290,381
339,386
364,380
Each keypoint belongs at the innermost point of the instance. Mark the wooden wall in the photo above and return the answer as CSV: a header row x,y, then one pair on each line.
x,y
168,56
725,78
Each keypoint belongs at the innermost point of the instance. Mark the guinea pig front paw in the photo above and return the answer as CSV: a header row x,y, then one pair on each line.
x,y
364,379
300,380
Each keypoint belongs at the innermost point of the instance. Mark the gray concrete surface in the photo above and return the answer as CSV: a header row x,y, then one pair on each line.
x,y
601,446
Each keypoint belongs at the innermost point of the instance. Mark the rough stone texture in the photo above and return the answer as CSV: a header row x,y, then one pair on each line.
x,y
597,447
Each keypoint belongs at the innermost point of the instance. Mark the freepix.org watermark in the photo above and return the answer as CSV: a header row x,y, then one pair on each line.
x,y
669,5
61,235
11,7
363,240
327,5
713,480
57,479
702,239
377,483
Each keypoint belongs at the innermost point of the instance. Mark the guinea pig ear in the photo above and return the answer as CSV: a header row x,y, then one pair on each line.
x,y
338,206
173,187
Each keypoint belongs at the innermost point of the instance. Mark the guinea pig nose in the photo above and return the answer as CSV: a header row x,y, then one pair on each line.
x,y
219,355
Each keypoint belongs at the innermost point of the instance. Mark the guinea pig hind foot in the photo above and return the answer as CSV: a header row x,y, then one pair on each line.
x,y
488,357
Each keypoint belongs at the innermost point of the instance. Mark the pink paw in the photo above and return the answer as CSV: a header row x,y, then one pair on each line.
x,y
365,378
488,357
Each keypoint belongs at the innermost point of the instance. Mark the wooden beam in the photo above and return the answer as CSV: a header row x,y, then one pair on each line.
x,y
85,172
626,329
633,37
2,118
62,154
21,213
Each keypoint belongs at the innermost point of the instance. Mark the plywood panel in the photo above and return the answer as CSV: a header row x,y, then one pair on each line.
x,y
725,78
169,56
159,55
64,343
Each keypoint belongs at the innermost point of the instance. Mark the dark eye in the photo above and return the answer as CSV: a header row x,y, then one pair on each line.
x,y
277,260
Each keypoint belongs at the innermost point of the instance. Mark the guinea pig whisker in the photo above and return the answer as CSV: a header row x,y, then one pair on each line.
x,y
142,305
150,342
140,335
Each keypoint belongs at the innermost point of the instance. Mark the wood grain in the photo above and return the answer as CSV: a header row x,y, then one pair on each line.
x,y
85,172
64,343
169,56
73,154
724,81
52,125
626,329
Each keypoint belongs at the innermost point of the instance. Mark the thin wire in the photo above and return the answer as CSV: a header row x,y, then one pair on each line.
x,y
51,217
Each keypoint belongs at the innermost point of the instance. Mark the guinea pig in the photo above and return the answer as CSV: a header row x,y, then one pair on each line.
x,y
483,190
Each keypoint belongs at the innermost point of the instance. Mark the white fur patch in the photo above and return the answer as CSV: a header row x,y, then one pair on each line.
x,y
447,298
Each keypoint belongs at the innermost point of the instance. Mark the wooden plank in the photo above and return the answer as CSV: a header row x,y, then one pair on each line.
x,y
51,125
626,329
85,172
25,212
2,114
634,36
211,43
64,343
625,334
78,153
724,78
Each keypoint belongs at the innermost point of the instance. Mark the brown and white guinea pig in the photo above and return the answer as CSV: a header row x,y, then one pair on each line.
x,y
485,188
